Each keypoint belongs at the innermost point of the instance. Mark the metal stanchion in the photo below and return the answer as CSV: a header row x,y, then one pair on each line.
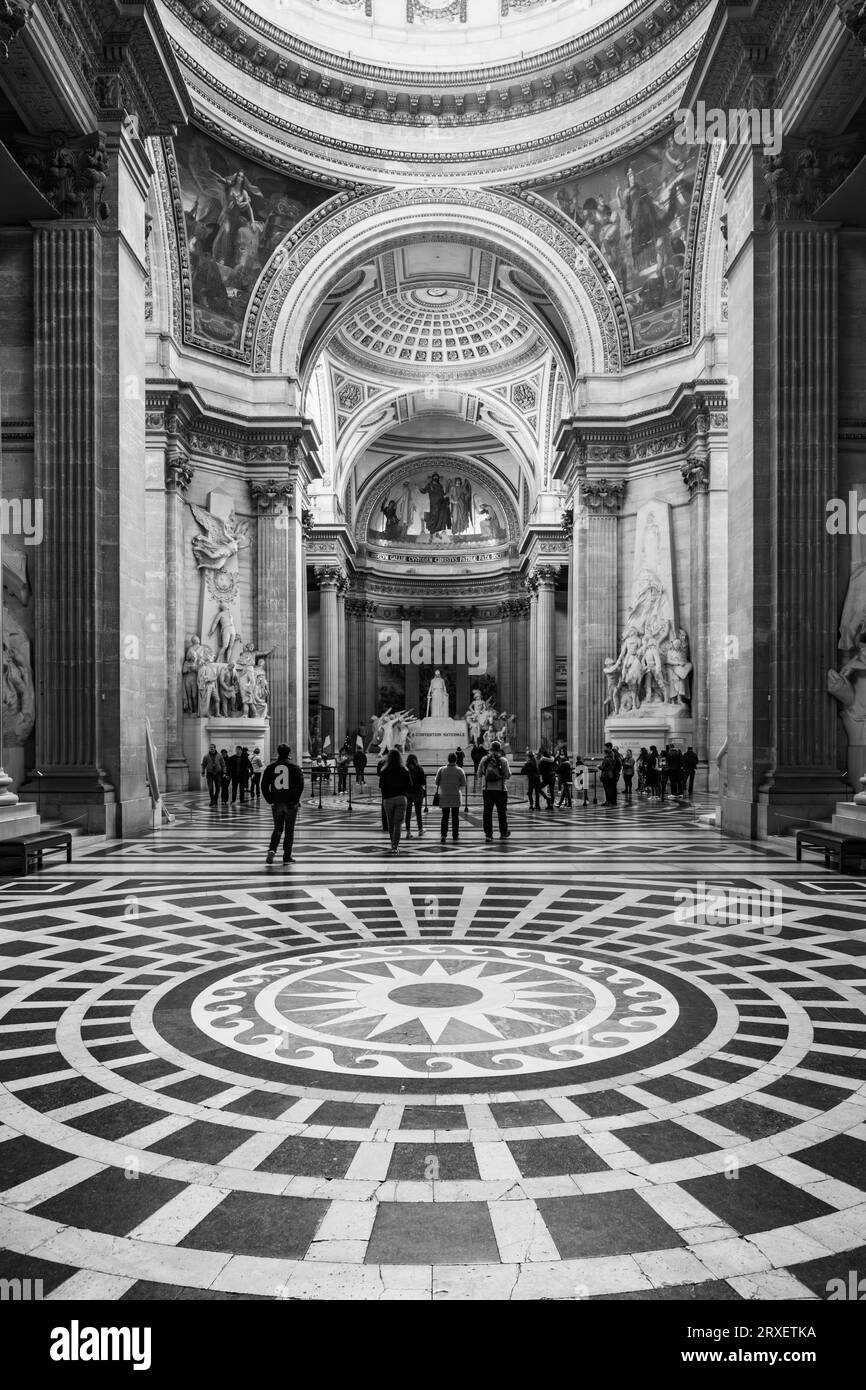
x,y
349,785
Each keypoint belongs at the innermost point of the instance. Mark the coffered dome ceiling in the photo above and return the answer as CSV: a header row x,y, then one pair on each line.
x,y
435,325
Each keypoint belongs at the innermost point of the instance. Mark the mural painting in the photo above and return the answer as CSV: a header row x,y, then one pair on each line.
x,y
235,213
636,212
438,508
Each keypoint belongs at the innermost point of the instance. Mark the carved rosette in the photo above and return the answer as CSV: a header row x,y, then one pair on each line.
x,y
601,497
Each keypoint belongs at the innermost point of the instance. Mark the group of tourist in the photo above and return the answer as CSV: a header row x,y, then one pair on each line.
x,y
239,772
404,791
403,785
672,768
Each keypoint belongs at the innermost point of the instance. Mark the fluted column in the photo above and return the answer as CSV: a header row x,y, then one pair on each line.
x,y
783,444
531,586
504,686
696,476
89,430
341,719
545,637
279,602
331,580
178,476
596,616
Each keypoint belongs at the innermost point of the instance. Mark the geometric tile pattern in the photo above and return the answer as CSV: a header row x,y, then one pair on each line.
x,y
615,1056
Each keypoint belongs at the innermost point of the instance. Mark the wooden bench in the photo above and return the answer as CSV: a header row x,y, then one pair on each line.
x,y
27,850
833,843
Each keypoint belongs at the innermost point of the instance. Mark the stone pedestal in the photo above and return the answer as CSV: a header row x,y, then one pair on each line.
x,y
200,733
850,819
658,724
434,739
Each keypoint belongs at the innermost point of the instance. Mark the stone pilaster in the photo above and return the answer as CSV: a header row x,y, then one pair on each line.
x,y
596,600
696,476
545,636
782,614
332,652
372,669
89,275
279,602
178,476
533,717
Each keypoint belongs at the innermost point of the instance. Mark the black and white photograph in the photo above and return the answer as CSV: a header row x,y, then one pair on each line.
x,y
433,726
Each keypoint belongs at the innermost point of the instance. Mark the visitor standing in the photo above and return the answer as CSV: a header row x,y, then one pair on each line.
x,y
342,771
564,777
213,767
450,785
495,773
610,770
395,784
417,795
360,761
226,779
282,788
628,773
533,781
235,765
460,756
547,771
476,755
690,763
257,763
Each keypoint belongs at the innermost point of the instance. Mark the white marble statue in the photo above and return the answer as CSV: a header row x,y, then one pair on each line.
x,y
679,668
194,658
19,691
224,627
437,698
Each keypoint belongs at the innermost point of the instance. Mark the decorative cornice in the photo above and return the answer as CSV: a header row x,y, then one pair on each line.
x,y
349,87
853,14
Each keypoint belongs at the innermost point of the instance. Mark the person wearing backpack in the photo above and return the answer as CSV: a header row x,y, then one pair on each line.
x,y
495,773
213,768
282,788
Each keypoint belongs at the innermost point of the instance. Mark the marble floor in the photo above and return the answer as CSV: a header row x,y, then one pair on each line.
x,y
545,1067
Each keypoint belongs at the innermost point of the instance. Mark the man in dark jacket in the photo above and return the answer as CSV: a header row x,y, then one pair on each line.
x,y
690,762
495,773
609,771
213,767
533,782
282,788
478,752
547,772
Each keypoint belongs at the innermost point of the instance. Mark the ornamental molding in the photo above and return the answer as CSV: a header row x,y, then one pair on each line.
x,y
175,418
564,74
272,496
14,14
654,98
575,255
70,171
804,174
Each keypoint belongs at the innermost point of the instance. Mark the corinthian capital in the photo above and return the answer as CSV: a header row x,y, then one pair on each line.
x,y
331,577
696,475
601,496
271,494
14,14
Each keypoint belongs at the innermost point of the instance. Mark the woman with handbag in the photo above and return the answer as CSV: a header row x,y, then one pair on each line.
x,y
450,783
